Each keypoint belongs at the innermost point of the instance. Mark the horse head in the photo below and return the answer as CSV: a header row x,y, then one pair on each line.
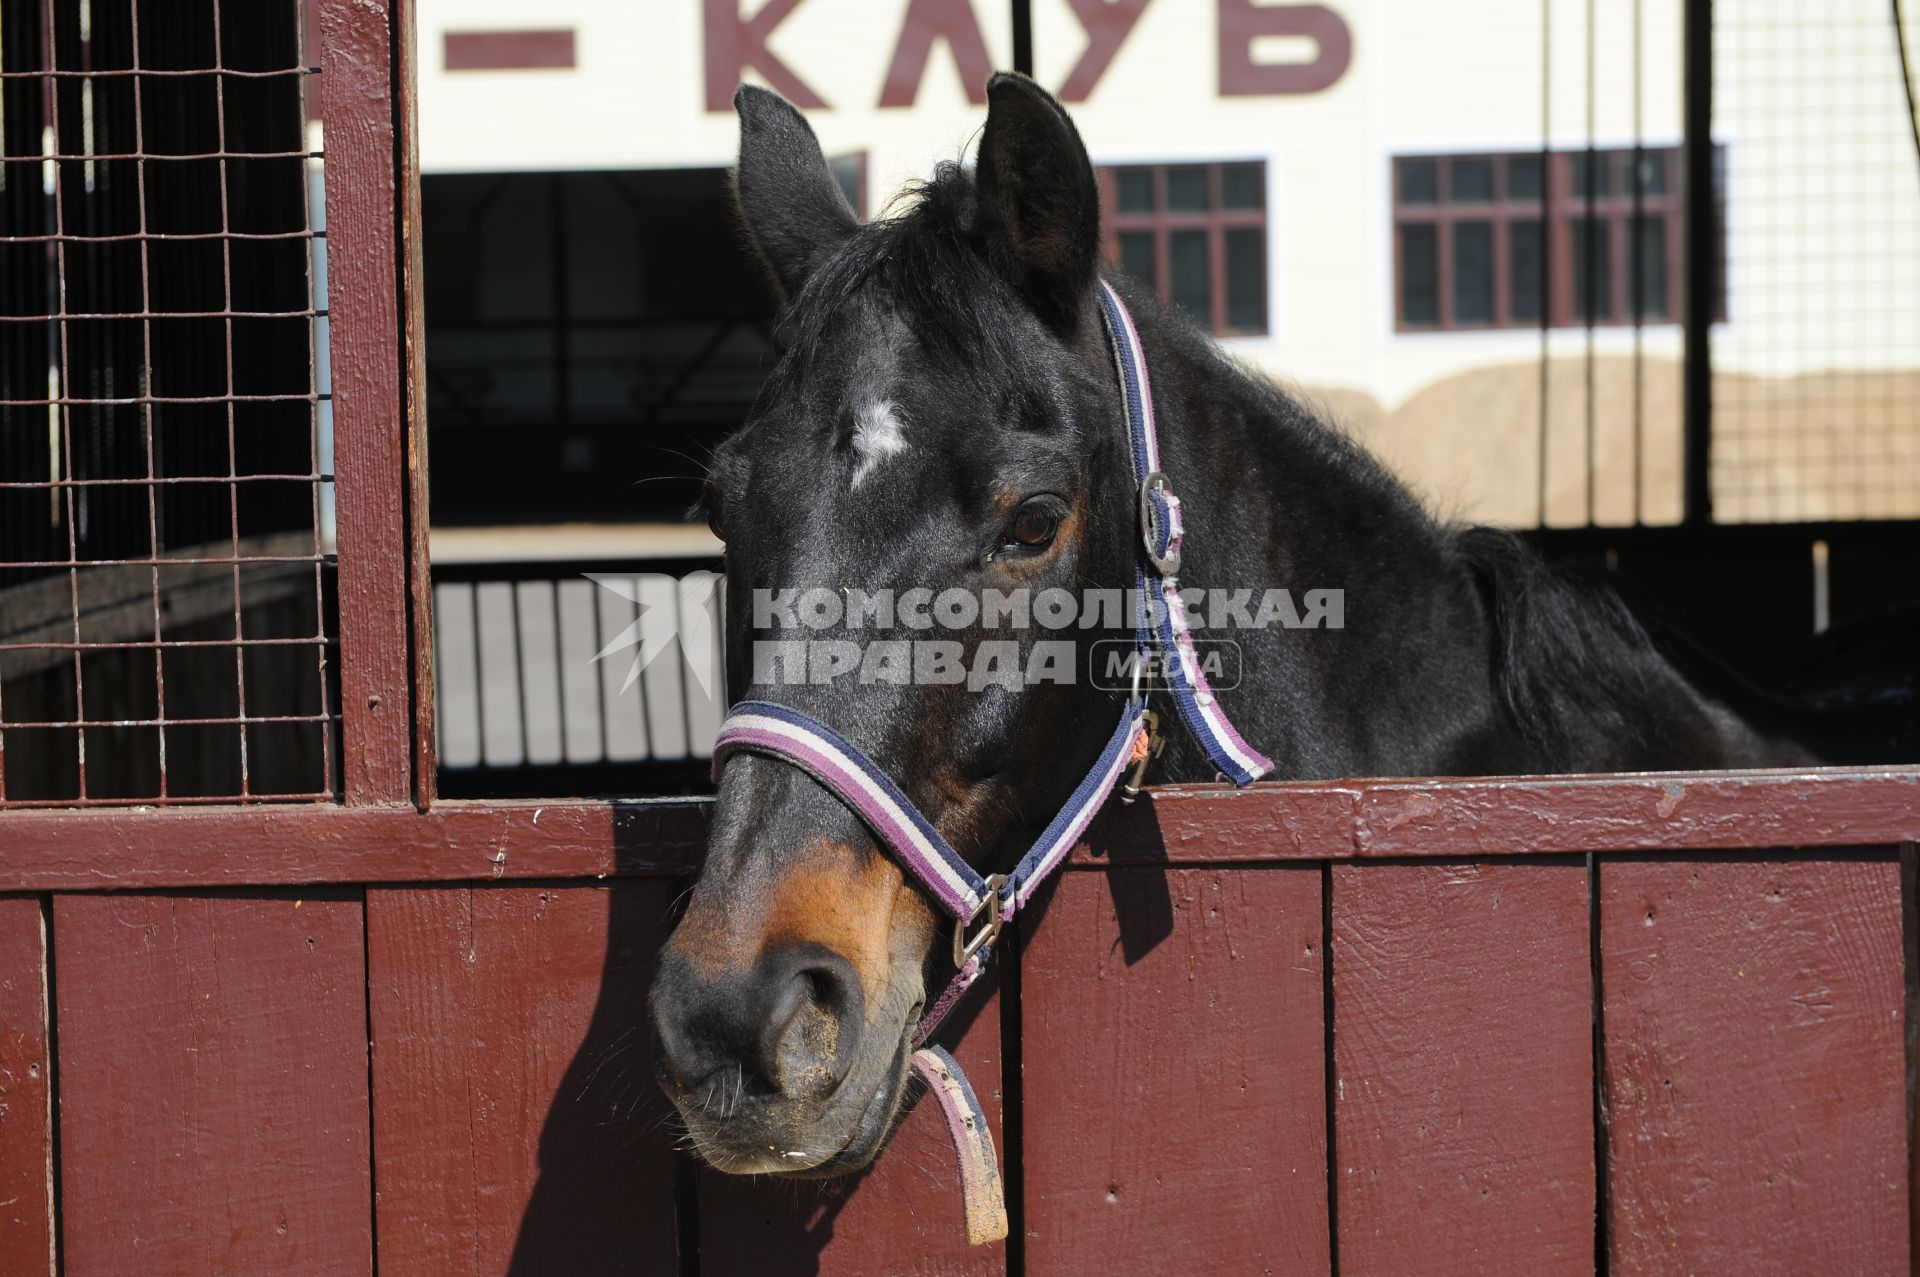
x,y
941,424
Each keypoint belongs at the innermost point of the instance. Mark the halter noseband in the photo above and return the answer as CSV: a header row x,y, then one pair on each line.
x,y
981,906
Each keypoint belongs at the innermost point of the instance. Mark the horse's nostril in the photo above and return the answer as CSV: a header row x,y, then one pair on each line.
x,y
789,1025
813,1022
791,998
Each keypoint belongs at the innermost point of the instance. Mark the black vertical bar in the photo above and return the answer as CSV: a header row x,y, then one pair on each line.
x,y
525,692
1697,375
1013,1096
1023,36
1591,252
1546,242
686,675
1636,281
49,951
1602,1106
1331,1073
560,676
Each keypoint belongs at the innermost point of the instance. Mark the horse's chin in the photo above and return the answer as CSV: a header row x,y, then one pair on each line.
x,y
870,1127
870,1131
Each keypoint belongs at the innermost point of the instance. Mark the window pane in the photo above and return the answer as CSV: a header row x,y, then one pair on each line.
x,y
1243,186
1247,280
1654,303
1589,169
1523,177
1526,264
1136,255
1419,181
1187,190
850,171
1472,181
1473,272
1134,193
1653,172
1419,276
1592,271
1192,282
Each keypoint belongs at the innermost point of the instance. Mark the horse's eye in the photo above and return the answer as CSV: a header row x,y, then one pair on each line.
x,y
1035,523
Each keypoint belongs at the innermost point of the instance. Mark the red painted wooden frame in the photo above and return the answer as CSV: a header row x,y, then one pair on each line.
x,y
379,427
1669,814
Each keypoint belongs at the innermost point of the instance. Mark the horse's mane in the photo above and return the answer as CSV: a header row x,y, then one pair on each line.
x,y
1567,651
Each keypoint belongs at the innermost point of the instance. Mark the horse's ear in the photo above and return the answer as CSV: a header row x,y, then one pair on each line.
x,y
1039,204
792,206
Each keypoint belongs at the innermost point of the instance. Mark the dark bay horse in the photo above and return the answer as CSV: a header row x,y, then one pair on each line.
x,y
946,416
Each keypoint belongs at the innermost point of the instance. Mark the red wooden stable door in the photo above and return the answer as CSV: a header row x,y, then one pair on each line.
x,y
1174,1073
517,1124
213,1083
1756,1066
1463,1068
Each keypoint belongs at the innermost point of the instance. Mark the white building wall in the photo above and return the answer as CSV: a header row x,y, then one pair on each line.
x,y
1439,76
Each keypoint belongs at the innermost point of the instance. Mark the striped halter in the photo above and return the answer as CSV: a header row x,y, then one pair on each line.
x,y
981,906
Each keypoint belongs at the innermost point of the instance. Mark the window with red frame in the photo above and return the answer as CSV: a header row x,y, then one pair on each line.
x,y
1496,241
1198,234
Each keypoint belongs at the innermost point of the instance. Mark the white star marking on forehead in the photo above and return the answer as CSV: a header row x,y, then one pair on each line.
x,y
877,434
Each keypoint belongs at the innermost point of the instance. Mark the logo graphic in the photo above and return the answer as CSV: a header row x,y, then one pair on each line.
x,y
654,628
1113,664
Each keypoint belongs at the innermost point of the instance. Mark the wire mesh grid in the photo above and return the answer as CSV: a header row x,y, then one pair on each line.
x,y
1816,390
165,576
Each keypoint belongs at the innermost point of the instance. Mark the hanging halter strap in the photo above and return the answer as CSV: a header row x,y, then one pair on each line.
x,y
981,906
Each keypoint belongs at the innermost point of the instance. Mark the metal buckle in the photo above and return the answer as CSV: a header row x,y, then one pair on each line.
x,y
963,947
1165,565
1130,790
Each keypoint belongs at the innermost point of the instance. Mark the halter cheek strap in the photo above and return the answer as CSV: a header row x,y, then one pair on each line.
x,y
1162,531
980,906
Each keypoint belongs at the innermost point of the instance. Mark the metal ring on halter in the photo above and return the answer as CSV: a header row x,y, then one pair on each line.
x,y
964,947
1167,564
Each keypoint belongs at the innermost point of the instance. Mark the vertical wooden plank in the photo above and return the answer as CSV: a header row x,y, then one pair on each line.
x,y
1755,1066
26,1093
902,1215
517,1126
426,769
213,1084
1463,1069
370,461
1174,1097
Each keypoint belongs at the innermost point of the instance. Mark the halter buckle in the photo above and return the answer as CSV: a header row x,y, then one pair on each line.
x,y
964,947
1167,564
1149,749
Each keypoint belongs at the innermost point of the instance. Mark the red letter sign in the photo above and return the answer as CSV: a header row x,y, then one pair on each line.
x,y
1108,23
1242,21
927,21
733,46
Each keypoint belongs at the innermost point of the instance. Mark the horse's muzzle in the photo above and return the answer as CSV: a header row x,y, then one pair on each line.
x,y
758,1059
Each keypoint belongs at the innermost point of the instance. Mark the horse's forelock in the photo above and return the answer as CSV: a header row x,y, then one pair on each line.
x,y
921,262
